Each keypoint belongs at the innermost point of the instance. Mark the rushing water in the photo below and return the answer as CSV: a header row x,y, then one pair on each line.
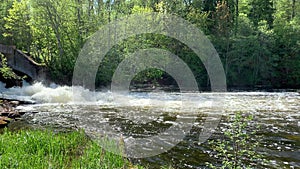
x,y
144,115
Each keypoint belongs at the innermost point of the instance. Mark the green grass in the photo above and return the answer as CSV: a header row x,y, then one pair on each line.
x,y
39,149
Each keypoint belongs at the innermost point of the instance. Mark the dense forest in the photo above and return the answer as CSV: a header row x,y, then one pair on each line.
x,y
258,40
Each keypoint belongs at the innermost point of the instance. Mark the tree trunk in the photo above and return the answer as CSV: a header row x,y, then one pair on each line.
x,y
90,8
100,5
236,15
55,22
293,8
79,6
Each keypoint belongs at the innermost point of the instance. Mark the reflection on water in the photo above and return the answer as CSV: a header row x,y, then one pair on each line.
x,y
145,115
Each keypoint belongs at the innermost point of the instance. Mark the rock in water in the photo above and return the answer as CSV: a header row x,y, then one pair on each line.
x,y
14,103
8,112
6,119
14,114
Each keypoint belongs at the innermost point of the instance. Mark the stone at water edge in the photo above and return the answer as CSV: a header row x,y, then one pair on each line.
x,y
22,112
14,103
4,113
14,114
5,119
7,109
11,114
3,123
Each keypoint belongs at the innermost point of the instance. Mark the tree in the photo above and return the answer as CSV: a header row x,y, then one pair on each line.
x,y
238,148
57,37
236,15
5,5
5,71
17,25
209,5
287,46
222,30
261,10
287,9
257,40
293,9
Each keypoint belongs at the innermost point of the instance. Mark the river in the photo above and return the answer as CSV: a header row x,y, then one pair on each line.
x,y
137,117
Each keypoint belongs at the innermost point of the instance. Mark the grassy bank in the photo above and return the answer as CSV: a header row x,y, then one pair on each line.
x,y
46,149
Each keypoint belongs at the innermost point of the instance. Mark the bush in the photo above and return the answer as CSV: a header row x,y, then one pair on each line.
x,y
6,71
238,148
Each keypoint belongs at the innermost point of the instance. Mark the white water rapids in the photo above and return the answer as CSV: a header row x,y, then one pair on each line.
x,y
141,114
55,94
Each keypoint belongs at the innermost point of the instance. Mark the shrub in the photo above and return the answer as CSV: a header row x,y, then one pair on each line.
x,y
238,148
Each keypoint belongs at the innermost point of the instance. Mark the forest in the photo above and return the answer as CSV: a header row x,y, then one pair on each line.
x,y
258,41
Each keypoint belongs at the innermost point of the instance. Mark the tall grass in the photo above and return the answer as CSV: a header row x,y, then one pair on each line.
x,y
38,149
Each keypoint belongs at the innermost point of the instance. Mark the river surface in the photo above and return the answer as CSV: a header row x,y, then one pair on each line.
x,y
167,128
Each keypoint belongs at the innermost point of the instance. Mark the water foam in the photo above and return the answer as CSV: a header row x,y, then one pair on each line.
x,y
44,94
77,94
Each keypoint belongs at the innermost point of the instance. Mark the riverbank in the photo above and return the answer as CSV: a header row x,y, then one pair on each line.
x,y
42,148
47,149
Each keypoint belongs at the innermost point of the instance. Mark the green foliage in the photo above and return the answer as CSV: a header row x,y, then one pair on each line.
x,y
5,5
17,25
46,149
287,42
238,148
6,71
261,10
257,40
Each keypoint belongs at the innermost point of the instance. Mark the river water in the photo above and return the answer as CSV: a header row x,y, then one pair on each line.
x,y
167,128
